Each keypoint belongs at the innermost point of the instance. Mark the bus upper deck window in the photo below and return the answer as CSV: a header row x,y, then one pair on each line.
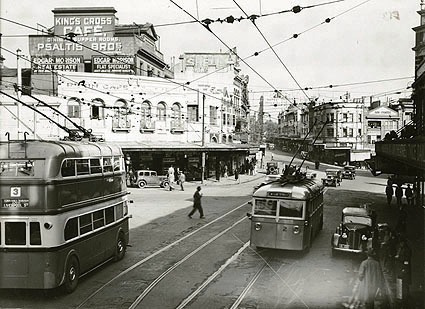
x,y
68,168
17,168
82,166
15,233
35,236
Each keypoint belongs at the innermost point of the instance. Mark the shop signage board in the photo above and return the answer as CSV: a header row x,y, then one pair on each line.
x,y
113,64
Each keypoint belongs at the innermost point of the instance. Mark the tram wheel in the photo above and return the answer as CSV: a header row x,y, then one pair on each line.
x,y
72,273
120,248
141,184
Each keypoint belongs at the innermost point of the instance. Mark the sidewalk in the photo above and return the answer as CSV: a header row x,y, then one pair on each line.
x,y
243,178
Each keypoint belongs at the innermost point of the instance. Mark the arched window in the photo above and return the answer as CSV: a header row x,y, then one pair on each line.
x,y
176,115
97,110
120,115
214,139
230,139
74,108
223,138
161,114
145,115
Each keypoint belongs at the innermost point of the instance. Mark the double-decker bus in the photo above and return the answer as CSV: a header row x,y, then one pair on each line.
x,y
63,211
287,213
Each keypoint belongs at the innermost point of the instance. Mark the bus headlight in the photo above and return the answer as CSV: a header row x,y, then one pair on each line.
x,y
344,235
257,226
364,237
296,229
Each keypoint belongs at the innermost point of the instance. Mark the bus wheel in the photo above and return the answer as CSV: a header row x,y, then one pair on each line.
x,y
120,248
141,184
72,273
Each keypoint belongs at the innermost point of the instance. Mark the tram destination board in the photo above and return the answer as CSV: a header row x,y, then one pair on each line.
x,y
15,203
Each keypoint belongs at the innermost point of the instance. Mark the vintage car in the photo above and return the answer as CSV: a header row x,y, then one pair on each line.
x,y
272,168
355,232
147,178
349,172
333,177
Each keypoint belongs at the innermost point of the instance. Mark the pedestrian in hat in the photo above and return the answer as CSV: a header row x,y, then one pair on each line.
x,y
197,204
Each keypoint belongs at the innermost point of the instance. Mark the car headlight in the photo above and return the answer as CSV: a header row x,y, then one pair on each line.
x,y
364,237
344,235
257,226
296,229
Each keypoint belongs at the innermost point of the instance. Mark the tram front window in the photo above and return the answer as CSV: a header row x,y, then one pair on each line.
x,y
265,207
291,208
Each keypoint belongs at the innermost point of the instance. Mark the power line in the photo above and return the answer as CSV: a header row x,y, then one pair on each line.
x,y
232,51
268,43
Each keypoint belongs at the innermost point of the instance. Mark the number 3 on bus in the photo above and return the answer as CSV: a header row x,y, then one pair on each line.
x,y
287,214
63,211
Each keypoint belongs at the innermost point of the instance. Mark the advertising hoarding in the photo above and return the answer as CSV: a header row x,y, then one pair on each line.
x,y
113,64
47,64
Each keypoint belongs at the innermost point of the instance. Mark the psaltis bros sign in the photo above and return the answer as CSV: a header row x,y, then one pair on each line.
x,y
90,27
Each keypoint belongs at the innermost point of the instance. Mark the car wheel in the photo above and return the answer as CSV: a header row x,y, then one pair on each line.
x,y
72,273
120,248
141,184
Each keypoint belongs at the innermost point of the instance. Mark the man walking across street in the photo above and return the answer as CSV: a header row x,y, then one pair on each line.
x,y
197,203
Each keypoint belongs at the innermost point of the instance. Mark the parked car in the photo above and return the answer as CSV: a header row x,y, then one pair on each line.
x,y
349,172
147,178
355,232
333,177
272,168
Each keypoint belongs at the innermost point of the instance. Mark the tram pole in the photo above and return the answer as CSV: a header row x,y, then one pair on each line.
x,y
203,138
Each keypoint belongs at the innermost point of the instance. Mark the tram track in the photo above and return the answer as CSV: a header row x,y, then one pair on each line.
x,y
127,275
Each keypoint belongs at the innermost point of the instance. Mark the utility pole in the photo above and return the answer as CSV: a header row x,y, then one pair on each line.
x,y
203,138
18,93
260,118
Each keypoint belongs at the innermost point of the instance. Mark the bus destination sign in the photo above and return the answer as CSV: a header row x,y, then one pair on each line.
x,y
279,194
15,203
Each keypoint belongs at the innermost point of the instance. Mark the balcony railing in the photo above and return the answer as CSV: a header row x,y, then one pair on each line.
x,y
177,126
119,124
147,126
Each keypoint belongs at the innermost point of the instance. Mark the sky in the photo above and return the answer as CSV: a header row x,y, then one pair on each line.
x,y
364,42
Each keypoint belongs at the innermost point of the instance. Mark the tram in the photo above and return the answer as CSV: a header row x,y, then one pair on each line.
x,y
63,211
287,213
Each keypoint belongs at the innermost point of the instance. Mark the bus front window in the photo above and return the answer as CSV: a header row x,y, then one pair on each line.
x,y
291,208
17,168
265,207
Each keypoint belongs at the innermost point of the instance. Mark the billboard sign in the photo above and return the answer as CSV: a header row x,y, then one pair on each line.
x,y
113,64
47,64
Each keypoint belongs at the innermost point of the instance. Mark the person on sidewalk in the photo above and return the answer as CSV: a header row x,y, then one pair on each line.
x,y
197,204
371,279
237,178
389,192
182,179
171,177
409,195
399,195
